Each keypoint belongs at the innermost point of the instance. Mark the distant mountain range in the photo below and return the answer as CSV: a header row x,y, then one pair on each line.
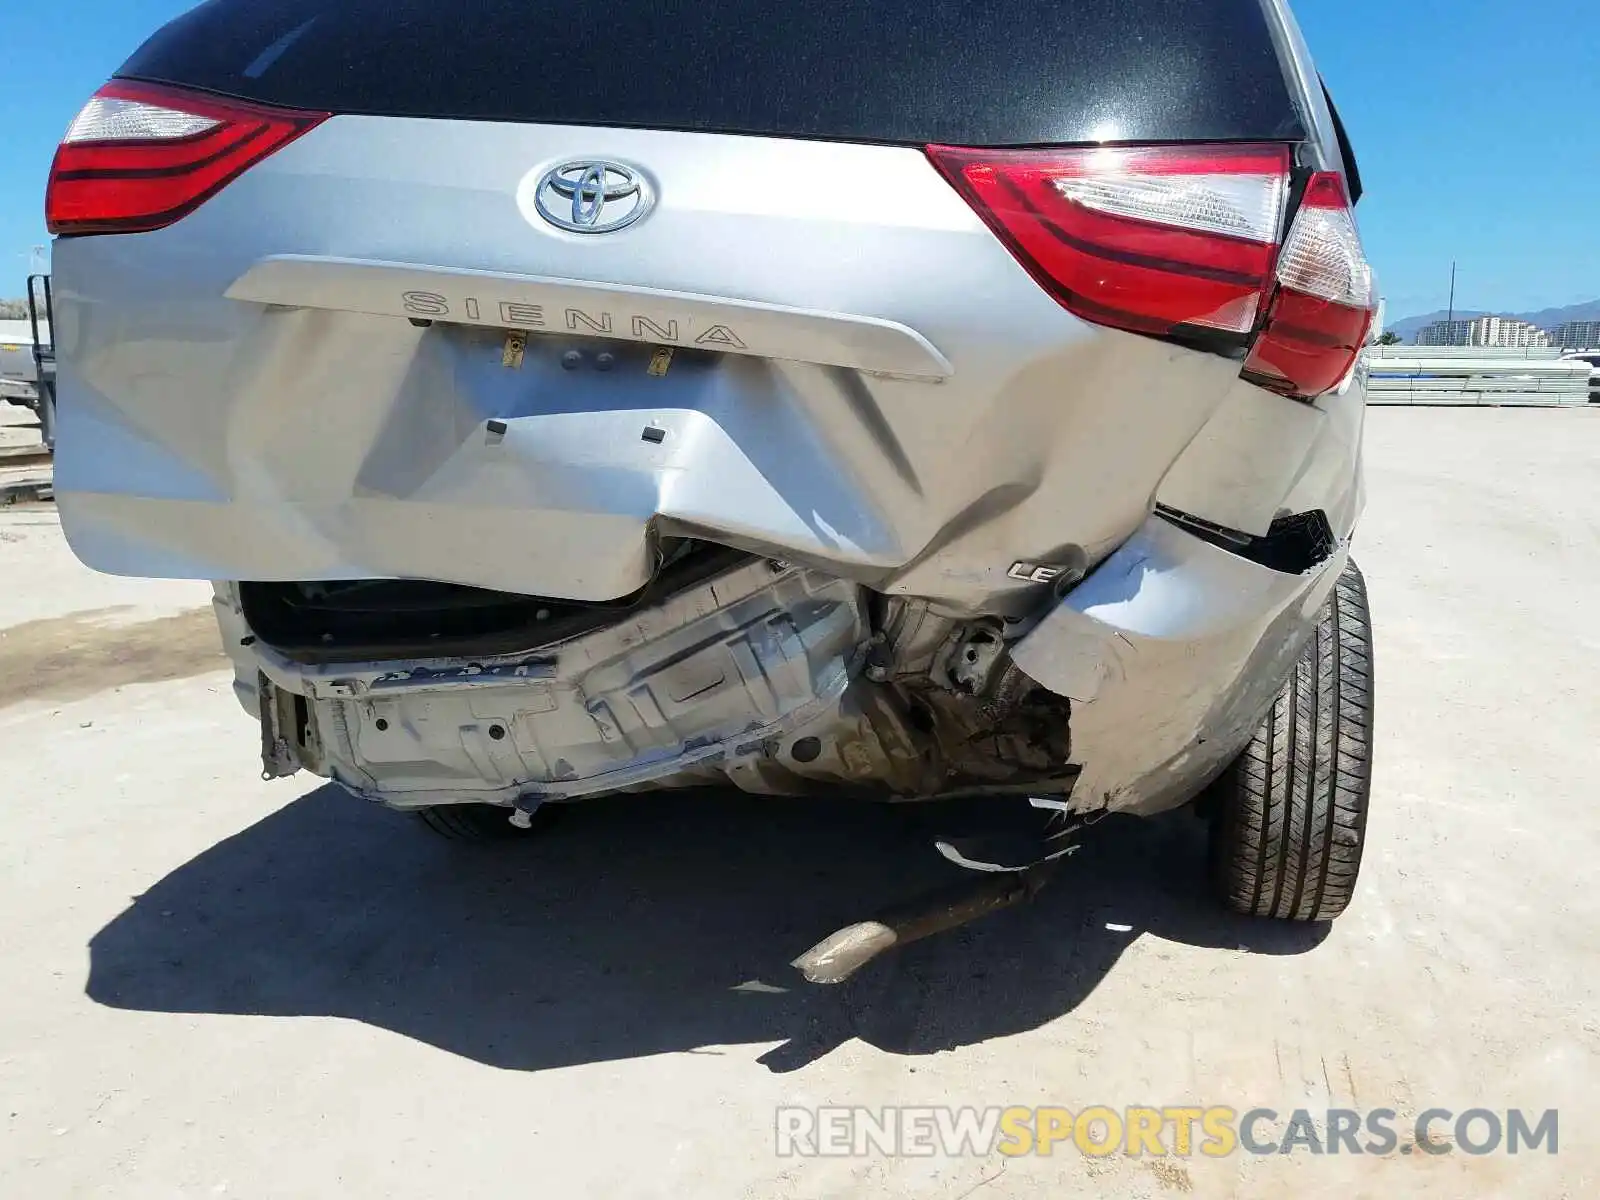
x,y
1545,318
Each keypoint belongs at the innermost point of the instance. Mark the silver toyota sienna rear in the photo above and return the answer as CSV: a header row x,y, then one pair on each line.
x,y
903,400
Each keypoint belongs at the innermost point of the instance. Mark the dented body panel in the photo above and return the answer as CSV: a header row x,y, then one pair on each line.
x,y
908,410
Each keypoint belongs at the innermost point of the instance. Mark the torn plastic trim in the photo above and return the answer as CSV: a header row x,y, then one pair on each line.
x,y
1170,651
1294,544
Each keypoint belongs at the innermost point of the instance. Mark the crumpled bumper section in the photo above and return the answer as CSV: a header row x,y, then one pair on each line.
x,y
1171,651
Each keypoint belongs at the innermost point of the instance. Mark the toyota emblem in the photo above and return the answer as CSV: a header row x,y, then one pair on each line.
x,y
593,196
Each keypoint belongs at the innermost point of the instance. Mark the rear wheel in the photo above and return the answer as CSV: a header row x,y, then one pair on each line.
x,y
480,822
1290,813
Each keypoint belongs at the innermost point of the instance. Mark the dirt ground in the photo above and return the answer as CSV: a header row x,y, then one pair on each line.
x,y
218,986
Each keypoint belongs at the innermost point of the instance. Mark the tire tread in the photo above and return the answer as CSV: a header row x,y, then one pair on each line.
x,y
1292,808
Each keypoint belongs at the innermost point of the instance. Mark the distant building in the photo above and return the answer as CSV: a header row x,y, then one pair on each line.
x,y
1576,335
1506,331
1483,331
1445,333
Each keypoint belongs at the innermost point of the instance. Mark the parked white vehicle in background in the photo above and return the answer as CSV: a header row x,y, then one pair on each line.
x,y
19,380
1592,357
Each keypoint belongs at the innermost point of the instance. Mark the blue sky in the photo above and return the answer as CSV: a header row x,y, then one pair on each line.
x,y
1473,119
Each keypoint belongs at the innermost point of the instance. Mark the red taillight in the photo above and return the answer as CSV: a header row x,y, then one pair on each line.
x,y
1164,240
1322,313
140,156
1149,239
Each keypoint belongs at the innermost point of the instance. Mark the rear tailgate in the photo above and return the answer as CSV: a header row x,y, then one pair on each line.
x,y
371,354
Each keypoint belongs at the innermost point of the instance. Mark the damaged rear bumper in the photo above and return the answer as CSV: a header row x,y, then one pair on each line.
x,y
1169,653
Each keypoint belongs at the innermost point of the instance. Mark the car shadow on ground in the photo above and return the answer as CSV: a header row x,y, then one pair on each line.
x,y
629,927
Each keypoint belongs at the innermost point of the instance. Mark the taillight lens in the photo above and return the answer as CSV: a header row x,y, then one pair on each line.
x,y
1174,239
1150,239
1322,313
140,156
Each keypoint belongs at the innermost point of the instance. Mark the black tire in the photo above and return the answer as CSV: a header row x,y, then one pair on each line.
x,y
480,822
1290,813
